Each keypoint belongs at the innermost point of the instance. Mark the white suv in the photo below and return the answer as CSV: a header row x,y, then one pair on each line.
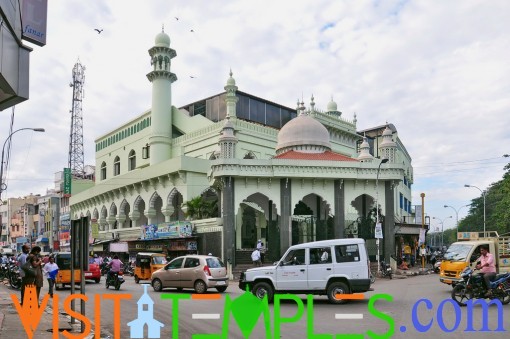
x,y
328,267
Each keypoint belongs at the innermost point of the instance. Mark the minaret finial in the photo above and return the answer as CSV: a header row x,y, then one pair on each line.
x,y
312,104
163,28
230,72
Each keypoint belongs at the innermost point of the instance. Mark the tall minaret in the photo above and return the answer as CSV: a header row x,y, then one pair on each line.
x,y
231,98
161,114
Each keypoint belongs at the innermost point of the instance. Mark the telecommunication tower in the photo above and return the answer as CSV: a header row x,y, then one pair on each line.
x,y
76,153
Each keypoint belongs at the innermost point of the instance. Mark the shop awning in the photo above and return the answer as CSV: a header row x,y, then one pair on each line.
x,y
42,239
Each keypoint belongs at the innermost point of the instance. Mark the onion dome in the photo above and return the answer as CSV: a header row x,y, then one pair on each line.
x,y
303,134
162,40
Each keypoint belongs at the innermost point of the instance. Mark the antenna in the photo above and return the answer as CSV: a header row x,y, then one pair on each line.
x,y
76,152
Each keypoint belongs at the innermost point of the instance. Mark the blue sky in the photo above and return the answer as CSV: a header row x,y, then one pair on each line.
x,y
438,71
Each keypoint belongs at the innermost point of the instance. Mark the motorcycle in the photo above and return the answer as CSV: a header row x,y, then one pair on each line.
x,y
13,276
473,287
114,279
386,270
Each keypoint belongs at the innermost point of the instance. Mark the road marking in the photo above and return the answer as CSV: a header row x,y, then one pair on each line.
x,y
206,296
205,316
348,315
354,296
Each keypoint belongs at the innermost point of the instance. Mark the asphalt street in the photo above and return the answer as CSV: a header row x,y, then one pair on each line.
x,y
415,307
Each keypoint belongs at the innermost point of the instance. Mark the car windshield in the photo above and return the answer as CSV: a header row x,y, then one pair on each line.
x,y
214,263
458,252
159,260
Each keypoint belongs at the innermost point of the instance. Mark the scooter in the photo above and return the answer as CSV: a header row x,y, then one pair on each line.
x,y
386,270
114,279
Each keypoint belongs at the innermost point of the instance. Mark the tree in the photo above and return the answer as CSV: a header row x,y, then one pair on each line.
x,y
200,208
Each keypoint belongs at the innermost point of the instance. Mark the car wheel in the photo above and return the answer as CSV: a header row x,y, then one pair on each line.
x,y
157,285
262,289
97,280
221,289
137,280
335,289
200,287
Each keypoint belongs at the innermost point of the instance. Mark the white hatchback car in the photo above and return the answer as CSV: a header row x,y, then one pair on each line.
x,y
199,272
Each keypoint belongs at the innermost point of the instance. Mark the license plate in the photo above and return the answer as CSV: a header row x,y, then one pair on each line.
x,y
88,274
219,283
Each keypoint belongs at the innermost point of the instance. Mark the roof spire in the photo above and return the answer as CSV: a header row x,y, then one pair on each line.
x,y
163,28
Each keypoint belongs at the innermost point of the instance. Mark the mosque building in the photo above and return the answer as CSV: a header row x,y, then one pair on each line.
x,y
217,175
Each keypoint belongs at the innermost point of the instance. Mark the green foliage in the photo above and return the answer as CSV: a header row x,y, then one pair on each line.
x,y
497,208
201,208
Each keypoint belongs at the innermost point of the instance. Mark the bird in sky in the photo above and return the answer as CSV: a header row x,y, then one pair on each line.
x,y
192,31
176,18
98,30
192,77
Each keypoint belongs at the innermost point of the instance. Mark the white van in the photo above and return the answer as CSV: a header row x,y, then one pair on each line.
x,y
328,267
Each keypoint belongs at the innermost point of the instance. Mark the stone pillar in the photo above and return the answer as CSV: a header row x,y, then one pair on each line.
x,y
135,216
121,218
286,212
151,215
167,212
229,219
389,221
339,209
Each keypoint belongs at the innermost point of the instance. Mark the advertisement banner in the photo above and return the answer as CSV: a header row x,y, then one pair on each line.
x,y
67,182
177,229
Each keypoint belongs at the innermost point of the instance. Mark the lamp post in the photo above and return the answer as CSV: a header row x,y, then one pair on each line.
x,y
456,215
483,194
377,210
3,186
441,221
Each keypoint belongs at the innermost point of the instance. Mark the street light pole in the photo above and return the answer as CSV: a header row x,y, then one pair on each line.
x,y
441,221
377,210
3,186
483,194
456,215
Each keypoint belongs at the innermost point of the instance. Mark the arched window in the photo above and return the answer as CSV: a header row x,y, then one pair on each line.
x,y
132,160
116,166
103,171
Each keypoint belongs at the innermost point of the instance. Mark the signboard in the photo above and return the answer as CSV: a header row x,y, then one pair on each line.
x,y
422,236
378,231
95,229
178,229
34,15
468,235
418,214
67,182
119,247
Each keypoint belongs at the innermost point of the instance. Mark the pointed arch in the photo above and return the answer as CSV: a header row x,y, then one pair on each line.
x,y
153,199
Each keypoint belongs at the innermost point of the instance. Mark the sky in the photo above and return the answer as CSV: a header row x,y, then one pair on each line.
x,y
438,70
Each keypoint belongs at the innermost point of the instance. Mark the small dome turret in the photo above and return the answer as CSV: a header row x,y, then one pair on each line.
x,y
162,40
332,106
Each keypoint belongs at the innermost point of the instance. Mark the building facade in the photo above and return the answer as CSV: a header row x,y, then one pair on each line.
x,y
243,168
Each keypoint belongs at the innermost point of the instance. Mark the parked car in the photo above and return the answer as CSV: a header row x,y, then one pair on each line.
x,y
328,267
198,272
94,272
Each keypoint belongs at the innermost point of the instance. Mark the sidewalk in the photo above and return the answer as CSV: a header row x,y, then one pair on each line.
x,y
10,323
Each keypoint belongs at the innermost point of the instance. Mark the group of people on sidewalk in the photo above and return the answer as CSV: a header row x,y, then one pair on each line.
x,y
32,270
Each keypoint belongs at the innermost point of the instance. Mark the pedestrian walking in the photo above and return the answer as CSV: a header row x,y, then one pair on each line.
x,y
50,271
255,257
36,261
22,259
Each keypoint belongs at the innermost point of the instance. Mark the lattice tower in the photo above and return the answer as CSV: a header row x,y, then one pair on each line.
x,y
76,151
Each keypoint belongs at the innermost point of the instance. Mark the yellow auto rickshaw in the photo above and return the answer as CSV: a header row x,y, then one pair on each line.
x,y
147,263
63,261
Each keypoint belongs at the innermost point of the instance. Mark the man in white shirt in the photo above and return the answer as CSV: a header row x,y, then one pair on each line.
x,y
255,257
50,271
